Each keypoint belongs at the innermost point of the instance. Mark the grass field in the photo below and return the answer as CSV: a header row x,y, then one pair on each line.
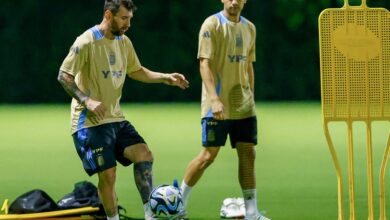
x,y
295,173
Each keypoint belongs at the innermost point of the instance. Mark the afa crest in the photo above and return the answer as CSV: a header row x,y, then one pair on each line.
x,y
112,58
100,160
239,41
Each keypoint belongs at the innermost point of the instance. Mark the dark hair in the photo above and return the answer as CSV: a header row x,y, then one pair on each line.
x,y
113,5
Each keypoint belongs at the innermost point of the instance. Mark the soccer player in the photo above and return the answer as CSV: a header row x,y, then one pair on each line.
x,y
226,53
93,73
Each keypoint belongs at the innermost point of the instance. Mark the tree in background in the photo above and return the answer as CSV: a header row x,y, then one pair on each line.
x,y
35,37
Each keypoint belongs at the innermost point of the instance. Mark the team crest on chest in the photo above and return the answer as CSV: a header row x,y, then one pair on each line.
x,y
112,58
239,42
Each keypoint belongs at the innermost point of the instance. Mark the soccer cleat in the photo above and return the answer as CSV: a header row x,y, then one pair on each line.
x,y
176,184
149,214
148,217
256,217
179,216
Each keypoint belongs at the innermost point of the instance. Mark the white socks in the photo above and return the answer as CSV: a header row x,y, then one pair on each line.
x,y
250,201
148,210
185,192
250,198
116,217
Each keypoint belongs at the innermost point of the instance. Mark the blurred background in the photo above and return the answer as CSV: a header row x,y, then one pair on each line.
x,y
36,35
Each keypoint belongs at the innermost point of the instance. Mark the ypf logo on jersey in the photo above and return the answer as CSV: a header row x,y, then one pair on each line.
x,y
112,58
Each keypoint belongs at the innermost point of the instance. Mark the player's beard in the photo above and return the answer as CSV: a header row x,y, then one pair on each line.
x,y
233,11
116,33
115,30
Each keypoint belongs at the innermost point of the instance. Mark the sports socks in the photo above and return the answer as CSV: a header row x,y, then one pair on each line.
x,y
116,217
250,201
185,192
148,210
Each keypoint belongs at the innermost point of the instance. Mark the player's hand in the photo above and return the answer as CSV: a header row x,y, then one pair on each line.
x,y
176,79
96,109
218,109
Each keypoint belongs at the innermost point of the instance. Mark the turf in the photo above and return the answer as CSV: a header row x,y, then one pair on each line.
x,y
295,173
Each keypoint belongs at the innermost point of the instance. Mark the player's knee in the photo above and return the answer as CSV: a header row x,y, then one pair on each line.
x,y
107,178
206,161
247,154
139,153
145,155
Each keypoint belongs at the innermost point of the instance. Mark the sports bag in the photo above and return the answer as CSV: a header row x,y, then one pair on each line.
x,y
34,201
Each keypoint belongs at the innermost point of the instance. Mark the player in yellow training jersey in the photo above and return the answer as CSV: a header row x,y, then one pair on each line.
x,y
93,73
226,53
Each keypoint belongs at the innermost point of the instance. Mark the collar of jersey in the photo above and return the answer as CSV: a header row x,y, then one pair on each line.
x,y
224,19
99,35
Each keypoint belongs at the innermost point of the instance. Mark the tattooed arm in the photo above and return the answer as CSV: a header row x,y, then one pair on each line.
x,y
68,83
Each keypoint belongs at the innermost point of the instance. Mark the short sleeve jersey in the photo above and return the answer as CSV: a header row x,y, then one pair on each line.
x,y
230,48
99,66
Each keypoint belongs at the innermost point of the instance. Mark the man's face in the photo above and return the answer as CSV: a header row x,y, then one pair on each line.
x,y
120,22
233,7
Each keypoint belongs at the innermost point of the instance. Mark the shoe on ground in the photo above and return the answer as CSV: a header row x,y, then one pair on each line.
x,y
231,208
151,217
258,216
179,216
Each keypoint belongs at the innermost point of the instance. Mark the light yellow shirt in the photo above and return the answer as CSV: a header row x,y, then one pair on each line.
x,y
230,48
100,66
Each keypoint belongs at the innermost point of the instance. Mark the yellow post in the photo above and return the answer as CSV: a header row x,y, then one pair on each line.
x,y
369,173
355,86
351,173
382,181
338,172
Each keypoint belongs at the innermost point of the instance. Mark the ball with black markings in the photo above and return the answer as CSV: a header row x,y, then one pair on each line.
x,y
165,200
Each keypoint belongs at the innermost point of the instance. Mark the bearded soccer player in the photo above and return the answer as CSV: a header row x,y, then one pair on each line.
x,y
226,53
93,73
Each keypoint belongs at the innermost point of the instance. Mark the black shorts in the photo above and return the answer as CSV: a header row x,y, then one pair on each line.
x,y
214,132
101,146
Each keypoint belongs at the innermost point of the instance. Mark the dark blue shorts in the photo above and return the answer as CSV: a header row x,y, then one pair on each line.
x,y
101,146
214,132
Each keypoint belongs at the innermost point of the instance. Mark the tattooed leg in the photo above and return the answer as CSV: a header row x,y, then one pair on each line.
x,y
144,179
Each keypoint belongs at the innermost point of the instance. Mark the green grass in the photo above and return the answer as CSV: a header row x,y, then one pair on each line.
x,y
295,173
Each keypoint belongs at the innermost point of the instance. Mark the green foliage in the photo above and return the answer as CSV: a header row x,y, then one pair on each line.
x,y
36,36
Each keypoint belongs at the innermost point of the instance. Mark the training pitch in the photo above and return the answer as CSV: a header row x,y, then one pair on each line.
x,y
295,174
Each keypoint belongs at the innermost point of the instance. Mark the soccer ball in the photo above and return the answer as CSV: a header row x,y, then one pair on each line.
x,y
165,200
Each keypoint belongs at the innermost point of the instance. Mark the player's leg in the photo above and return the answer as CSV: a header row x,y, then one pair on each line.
x,y
247,175
95,147
131,148
199,164
214,134
196,169
244,138
106,189
142,158
143,176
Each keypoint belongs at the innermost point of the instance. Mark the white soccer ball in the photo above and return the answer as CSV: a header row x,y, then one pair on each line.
x,y
165,200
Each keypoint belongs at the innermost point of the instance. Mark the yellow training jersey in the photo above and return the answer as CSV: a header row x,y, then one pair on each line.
x,y
100,66
230,48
